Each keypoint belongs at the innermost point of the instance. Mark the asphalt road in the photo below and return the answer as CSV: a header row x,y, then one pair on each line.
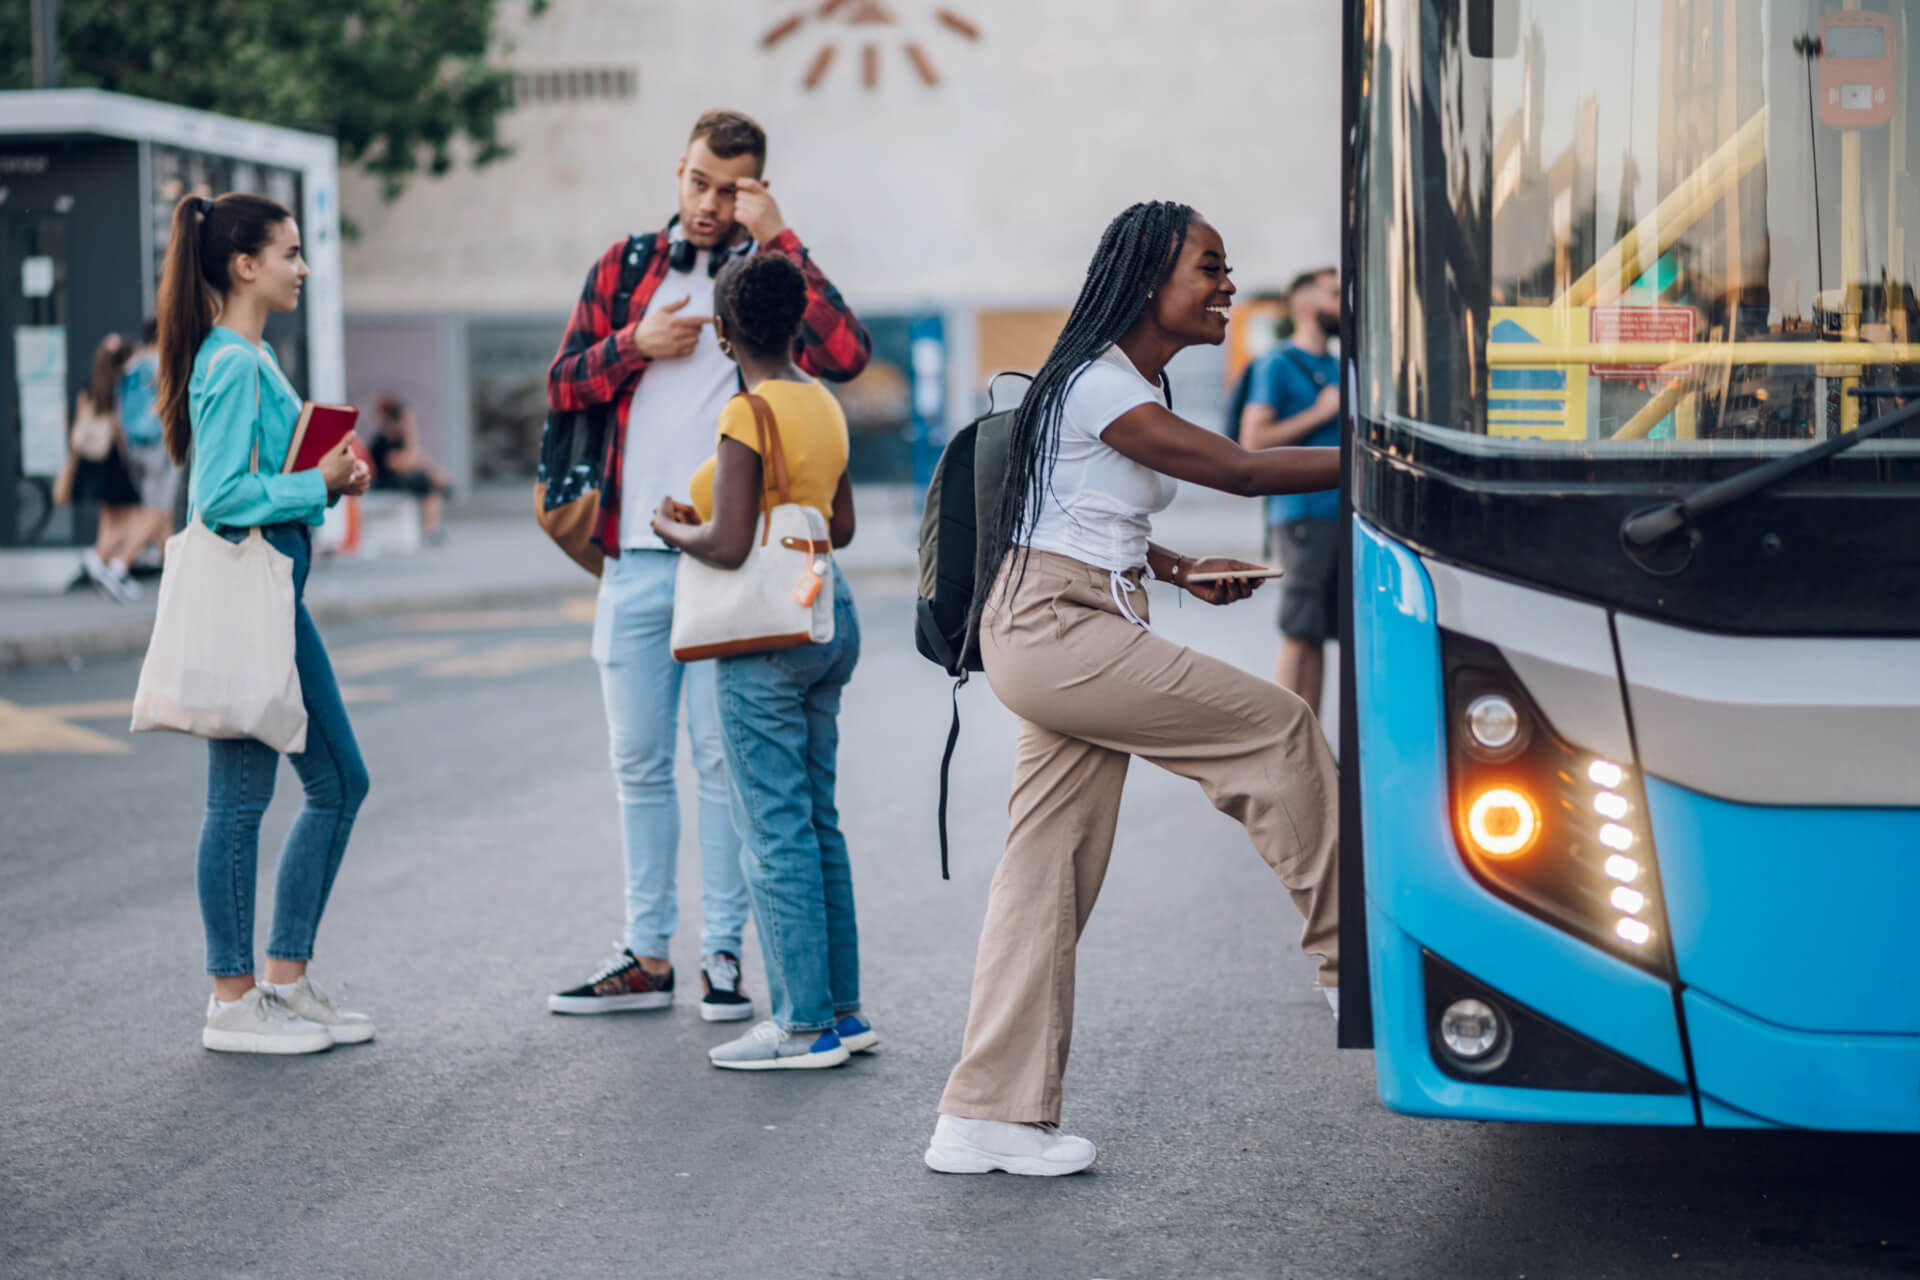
x,y
481,1136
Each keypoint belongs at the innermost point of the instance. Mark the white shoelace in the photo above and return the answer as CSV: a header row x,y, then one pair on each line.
x,y
723,973
319,997
619,961
1123,588
272,1007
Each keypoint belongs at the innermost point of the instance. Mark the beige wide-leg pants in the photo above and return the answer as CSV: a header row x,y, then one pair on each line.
x,y
1092,690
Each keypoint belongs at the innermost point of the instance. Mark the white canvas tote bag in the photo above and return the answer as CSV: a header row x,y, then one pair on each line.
x,y
781,596
220,663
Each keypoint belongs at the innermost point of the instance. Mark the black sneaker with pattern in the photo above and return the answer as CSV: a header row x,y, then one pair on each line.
x,y
621,986
722,1001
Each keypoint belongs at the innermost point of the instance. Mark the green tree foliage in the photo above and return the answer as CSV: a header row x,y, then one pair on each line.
x,y
396,82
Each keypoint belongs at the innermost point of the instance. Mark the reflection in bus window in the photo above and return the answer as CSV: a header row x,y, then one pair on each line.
x,y
1662,224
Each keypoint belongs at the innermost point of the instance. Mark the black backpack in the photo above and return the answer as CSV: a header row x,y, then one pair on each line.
x,y
1237,402
960,499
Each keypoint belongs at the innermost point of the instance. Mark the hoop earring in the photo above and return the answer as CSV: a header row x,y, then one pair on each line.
x,y
726,348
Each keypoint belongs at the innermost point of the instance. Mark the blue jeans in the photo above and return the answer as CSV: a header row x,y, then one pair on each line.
x,y
779,713
240,775
641,683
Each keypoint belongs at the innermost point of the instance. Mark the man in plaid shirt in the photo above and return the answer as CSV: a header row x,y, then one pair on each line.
x,y
668,380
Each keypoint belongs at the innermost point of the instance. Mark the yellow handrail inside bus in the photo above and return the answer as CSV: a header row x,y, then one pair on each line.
x,y
1689,200
1653,411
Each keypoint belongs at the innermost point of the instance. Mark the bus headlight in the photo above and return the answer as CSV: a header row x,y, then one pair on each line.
x,y
1494,727
1557,830
1474,1035
1502,822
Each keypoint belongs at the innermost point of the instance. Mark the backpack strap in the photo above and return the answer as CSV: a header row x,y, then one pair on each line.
x,y
946,767
1296,358
633,268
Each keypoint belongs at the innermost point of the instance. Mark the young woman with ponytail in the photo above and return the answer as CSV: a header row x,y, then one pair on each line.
x,y
227,409
1095,451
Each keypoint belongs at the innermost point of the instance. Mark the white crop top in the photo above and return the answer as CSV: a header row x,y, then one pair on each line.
x,y
1099,506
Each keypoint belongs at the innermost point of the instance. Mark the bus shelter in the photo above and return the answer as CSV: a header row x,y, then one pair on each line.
x,y
88,185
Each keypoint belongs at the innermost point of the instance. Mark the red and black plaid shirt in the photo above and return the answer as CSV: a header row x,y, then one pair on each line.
x,y
597,366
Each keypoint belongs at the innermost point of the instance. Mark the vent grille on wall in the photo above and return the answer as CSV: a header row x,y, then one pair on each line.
x,y
575,84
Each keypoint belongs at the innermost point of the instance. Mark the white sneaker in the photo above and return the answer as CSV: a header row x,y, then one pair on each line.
x,y
260,1022
112,583
769,1048
961,1145
315,1005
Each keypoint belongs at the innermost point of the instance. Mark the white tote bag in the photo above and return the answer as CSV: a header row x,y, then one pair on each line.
x,y
781,596
220,663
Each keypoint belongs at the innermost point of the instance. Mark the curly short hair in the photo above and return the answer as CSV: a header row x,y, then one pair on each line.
x,y
732,133
761,300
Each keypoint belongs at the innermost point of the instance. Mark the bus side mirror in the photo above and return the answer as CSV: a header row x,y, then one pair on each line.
x,y
1493,28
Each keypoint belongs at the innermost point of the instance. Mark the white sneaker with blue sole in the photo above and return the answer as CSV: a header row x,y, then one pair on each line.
x,y
856,1033
769,1048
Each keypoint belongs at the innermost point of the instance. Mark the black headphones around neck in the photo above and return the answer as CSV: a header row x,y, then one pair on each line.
x,y
682,252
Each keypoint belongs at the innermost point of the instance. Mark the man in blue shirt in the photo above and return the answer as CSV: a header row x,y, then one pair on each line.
x,y
1294,399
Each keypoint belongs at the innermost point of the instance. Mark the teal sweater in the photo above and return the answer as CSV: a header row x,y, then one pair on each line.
x,y
237,396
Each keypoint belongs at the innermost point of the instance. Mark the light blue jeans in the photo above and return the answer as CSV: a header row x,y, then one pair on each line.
x,y
780,715
240,776
642,684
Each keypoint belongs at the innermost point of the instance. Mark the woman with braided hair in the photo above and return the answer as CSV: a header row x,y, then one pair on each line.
x,y
1094,452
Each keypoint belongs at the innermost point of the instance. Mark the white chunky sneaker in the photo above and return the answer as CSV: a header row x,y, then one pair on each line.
x,y
315,1005
261,1022
980,1146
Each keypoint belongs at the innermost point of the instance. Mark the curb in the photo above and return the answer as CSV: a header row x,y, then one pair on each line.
x,y
118,639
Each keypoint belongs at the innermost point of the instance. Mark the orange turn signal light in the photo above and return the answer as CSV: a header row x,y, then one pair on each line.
x,y
1502,822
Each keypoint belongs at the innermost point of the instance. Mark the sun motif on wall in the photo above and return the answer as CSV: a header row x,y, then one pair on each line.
x,y
870,17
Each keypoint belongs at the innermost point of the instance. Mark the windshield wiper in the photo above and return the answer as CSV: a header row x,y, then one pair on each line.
x,y
1647,526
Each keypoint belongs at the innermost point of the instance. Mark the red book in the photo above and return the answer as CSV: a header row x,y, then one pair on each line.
x,y
321,427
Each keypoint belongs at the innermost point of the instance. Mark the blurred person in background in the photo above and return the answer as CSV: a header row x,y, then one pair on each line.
x,y
155,472
668,378
402,465
226,406
99,470
1294,399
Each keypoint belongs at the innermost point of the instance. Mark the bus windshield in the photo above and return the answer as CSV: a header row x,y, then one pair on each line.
x,y
1639,229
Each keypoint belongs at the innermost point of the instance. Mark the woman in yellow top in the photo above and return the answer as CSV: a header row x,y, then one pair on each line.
x,y
779,712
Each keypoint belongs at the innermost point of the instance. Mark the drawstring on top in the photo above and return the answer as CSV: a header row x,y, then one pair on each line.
x,y
1123,588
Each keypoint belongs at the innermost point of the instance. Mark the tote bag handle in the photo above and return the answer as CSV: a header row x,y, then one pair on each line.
x,y
773,453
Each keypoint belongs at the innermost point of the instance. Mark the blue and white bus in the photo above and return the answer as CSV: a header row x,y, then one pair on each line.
x,y
1632,374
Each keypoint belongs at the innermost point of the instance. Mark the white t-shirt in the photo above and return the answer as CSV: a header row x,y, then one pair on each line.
x,y
675,416
1099,506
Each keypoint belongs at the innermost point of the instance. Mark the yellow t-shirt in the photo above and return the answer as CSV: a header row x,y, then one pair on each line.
x,y
813,435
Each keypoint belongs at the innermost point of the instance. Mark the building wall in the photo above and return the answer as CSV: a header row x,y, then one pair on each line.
x,y
987,190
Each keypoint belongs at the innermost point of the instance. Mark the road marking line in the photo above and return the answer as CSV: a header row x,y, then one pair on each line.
x,y
111,709
512,658
577,609
386,655
26,730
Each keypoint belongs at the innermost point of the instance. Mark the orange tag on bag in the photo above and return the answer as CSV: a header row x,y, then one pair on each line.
x,y
808,591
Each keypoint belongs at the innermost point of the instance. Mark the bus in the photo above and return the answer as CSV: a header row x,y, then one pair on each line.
x,y
1631,373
